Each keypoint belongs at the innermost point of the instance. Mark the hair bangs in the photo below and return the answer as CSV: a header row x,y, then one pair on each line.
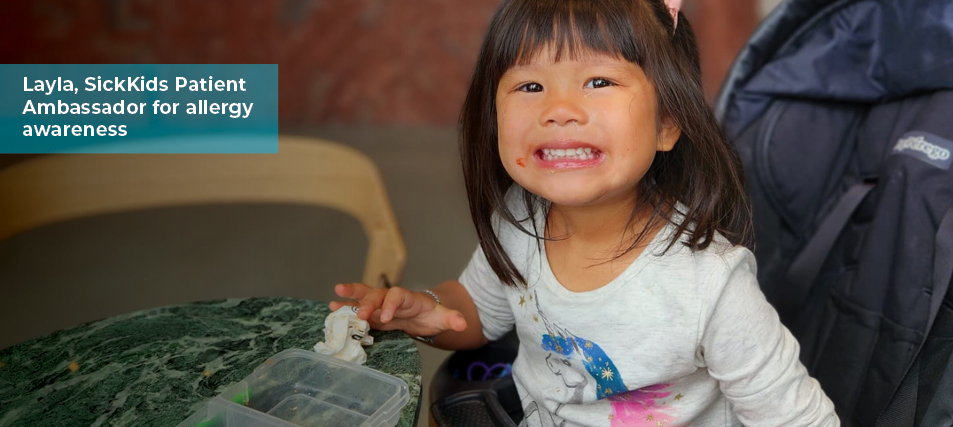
x,y
573,29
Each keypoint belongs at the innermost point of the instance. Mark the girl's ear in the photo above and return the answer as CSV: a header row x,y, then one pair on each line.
x,y
668,135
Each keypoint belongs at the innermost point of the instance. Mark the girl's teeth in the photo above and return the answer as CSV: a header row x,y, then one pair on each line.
x,y
550,154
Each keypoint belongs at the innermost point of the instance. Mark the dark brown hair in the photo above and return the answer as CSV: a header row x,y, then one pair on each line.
x,y
702,171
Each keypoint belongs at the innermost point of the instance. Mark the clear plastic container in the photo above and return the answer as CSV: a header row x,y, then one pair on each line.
x,y
298,388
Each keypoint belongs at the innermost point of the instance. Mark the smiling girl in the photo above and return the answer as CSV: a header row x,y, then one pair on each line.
x,y
613,227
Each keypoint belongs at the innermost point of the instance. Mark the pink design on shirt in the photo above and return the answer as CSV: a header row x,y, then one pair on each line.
x,y
643,407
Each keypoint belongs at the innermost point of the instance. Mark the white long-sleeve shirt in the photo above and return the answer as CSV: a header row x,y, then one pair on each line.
x,y
680,339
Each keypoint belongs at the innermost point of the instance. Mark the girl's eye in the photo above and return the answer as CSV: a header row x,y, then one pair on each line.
x,y
531,87
598,82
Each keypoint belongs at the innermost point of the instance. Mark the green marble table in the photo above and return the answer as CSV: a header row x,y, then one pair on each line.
x,y
156,367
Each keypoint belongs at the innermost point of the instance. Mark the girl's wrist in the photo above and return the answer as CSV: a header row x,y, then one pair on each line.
x,y
430,338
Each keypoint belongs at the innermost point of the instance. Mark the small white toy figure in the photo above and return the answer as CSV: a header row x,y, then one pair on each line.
x,y
344,334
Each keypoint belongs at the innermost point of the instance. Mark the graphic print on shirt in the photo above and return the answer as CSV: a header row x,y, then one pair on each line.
x,y
647,406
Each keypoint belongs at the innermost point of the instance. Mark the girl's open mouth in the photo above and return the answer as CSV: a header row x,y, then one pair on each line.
x,y
568,158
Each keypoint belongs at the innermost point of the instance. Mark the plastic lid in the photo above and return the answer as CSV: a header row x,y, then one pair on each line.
x,y
306,389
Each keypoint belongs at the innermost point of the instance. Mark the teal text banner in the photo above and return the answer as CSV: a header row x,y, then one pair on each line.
x,y
139,108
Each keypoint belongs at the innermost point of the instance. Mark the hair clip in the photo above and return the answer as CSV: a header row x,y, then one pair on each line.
x,y
673,7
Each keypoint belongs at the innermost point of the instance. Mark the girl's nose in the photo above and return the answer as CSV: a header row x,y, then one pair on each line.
x,y
562,110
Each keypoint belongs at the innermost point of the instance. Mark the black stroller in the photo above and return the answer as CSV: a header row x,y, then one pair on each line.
x,y
842,112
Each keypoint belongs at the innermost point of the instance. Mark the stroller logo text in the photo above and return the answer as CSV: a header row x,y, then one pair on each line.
x,y
927,147
920,143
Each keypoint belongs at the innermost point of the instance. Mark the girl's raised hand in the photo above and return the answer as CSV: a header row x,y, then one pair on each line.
x,y
397,308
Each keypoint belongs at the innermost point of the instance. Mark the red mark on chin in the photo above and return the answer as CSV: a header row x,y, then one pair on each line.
x,y
521,162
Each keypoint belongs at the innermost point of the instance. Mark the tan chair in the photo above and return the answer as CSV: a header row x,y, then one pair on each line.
x,y
50,189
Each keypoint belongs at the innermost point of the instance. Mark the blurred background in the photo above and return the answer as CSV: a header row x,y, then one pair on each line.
x,y
385,76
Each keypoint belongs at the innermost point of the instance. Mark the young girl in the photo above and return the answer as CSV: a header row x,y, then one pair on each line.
x,y
613,222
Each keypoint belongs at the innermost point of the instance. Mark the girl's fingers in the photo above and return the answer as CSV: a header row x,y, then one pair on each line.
x,y
396,299
343,291
376,323
366,299
334,305
351,290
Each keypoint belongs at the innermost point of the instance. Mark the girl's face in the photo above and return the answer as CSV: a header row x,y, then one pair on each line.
x,y
579,132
